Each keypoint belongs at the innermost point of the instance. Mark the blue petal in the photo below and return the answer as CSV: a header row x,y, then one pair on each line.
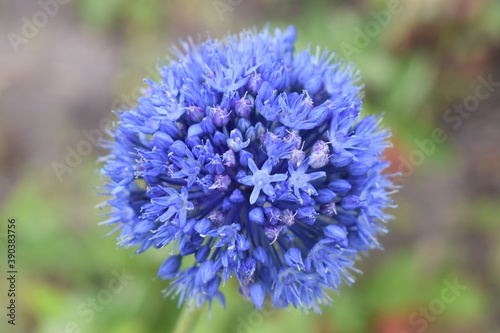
x,y
257,294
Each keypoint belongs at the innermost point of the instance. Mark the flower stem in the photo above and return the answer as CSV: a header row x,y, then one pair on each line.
x,y
187,320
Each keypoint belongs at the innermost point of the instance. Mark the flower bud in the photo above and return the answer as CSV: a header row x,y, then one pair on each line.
x,y
336,232
229,158
244,124
169,267
260,129
319,154
258,295
260,254
307,215
325,195
256,215
207,125
244,157
219,138
214,166
272,232
202,254
350,202
254,83
273,215
243,107
236,196
339,186
221,183
251,134
328,209
288,217
195,113
216,217
297,157
220,117
235,142
202,226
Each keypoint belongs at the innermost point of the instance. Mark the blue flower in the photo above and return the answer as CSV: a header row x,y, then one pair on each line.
x,y
261,180
299,179
256,163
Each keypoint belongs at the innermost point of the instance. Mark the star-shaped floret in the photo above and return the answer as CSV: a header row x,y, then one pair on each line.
x,y
299,179
261,179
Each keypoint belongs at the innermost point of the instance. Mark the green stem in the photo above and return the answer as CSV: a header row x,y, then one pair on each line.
x,y
187,320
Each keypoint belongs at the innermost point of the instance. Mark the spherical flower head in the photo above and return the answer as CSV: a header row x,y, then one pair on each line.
x,y
256,162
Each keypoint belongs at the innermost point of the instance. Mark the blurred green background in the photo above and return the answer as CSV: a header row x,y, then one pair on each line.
x,y
418,59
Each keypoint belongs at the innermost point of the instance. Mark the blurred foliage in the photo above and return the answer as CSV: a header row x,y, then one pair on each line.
x,y
426,58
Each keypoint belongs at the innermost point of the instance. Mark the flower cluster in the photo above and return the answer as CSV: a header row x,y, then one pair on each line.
x,y
254,162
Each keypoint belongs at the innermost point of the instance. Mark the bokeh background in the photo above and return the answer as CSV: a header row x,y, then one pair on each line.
x,y
59,80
